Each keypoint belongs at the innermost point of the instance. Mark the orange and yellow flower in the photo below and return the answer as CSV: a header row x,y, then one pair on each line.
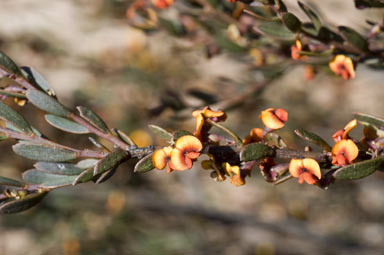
x,y
343,65
162,159
307,170
187,149
295,50
162,4
274,119
344,152
343,133
256,135
206,113
235,174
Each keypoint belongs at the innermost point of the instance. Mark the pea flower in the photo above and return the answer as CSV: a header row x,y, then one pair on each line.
x,y
274,119
162,4
187,149
343,133
256,135
344,152
307,170
162,159
206,113
295,50
235,174
342,65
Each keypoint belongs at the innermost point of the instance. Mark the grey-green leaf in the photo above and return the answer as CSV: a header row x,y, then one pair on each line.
x,y
13,117
8,65
58,168
47,103
65,124
92,118
179,133
311,15
255,151
354,38
164,134
23,204
87,163
291,22
360,170
47,180
85,176
145,164
40,152
10,182
369,119
37,79
276,30
110,161
313,138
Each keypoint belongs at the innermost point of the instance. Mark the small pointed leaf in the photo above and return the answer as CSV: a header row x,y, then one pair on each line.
x,y
10,182
110,161
47,103
360,170
58,168
8,65
354,38
291,22
369,119
276,30
13,117
145,164
106,175
23,204
255,151
311,15
37,79
313,138
164,134
85,176
41,152
65,124
92,118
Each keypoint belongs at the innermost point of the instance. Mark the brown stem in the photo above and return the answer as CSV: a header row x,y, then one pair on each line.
x,y
98,132
289,154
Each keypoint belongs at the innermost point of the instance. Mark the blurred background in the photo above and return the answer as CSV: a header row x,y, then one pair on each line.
x,y
91,56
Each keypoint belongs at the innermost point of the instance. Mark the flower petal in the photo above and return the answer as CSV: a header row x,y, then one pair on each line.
x,y
296,167
312,167
270,119
189,143
161,157
178,160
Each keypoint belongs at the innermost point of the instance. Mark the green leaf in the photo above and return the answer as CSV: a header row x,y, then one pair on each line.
x,y
224,42
362,4
311,15
164,134
37,79
85,176
87,163
313,138
8,65
309,29
369,119
41,152
65,124
13,117
10,182
276,30
173,27
92,118
276,140
179,133
47,180
23,204
354,38
110,161
265,12
145,164
58,168
291,22
47,103
360,170
106,175
327,35
255,151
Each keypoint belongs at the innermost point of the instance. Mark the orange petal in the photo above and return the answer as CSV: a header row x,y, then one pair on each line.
x,y
161,157
309,178
178,160
162,4
199,124
346,148
296,167
193,155
189,143
237,180
270,119
338,135
312,167
282,114
351,125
